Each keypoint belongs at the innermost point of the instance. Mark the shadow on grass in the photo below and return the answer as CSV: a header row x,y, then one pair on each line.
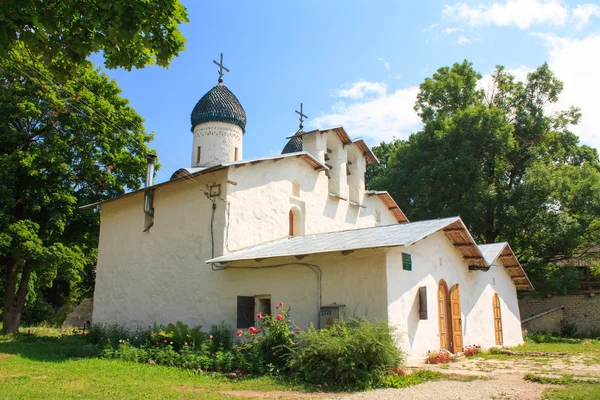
x,y
48,348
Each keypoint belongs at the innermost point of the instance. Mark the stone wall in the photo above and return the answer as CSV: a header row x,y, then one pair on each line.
x,y
582,310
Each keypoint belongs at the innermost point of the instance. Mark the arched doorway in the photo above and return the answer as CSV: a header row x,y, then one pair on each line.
x,y
456,318
444,316
498,320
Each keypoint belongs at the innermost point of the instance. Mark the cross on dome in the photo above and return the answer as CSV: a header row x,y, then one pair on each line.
x,y
302,116
221,68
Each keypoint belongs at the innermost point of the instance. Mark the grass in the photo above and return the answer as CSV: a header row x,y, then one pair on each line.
x,y
57,367
576,388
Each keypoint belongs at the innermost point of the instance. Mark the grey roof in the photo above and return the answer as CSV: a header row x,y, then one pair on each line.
x,y
219,104
354,239
294,144
491,251
194,170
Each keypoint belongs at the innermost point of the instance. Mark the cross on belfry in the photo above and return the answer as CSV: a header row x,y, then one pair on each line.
x,y
302,116
221,68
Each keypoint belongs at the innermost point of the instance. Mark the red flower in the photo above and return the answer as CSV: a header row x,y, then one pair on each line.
x,y
278,317
213,354
211,337
253,329
259,315
281,304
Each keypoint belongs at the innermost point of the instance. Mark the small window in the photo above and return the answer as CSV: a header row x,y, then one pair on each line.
x,y
198,155
406,262
263,305
295,222
423,302
245,311
235,154
291,216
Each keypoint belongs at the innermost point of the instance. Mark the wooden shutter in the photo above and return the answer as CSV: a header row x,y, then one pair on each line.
x,y
442,315
245,311
498,320
457,339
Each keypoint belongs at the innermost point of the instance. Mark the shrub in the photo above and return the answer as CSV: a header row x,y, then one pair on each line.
x,y
276,337
355,354
221,337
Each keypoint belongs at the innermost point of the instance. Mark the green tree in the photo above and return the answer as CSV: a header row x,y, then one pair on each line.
x,y
129,33
61,146
509,167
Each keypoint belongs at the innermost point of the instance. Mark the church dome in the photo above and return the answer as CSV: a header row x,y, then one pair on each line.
x,y
294,145
219,105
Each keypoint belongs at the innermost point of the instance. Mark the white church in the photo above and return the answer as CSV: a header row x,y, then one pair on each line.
x,y
229,237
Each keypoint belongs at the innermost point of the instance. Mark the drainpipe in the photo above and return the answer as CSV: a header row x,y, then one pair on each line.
x,y
148,209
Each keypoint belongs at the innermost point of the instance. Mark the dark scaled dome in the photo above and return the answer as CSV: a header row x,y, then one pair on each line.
x,y
294,145
219,104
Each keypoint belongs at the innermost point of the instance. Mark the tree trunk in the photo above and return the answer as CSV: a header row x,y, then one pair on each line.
x,y
13,305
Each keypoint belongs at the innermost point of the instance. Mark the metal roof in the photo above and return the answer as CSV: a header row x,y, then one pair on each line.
x,y
188,173
491,251
354,239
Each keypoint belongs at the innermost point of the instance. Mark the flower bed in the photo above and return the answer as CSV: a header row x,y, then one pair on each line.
x,y
438,356
471,350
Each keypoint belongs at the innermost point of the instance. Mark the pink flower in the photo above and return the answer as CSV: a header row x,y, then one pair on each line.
x,y
278,317
259,315
253,329
277,307
274,354
185,343
293,344
298,330
211,336
239,333
165,340
108,339
280,304
213,354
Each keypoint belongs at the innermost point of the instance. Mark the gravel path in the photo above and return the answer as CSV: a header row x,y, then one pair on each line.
x,y
513,388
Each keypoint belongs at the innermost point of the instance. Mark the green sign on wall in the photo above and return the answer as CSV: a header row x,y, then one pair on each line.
x,y
406,262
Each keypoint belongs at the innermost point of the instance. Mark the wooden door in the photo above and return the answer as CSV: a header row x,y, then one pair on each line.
x,y
443,315
457,338
498,320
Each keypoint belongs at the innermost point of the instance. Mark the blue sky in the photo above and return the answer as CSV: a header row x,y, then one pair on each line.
x,y
355,63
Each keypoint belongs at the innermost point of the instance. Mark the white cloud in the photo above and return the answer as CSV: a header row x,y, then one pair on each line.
x,y
522,13
360,89
583,12
462,39
378,118
385,63
449,31
576,63
432,26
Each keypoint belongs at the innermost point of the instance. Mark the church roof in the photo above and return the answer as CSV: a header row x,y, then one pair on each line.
x,y
187,174
294,143
369,238
220,105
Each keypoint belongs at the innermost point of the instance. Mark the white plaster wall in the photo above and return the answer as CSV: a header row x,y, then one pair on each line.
x,y
260,201
356,280
160,276
476,291
218,141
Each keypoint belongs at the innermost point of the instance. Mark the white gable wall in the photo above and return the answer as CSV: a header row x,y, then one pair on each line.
x,y
476,293
261,198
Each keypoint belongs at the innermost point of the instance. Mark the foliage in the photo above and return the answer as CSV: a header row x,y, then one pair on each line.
x,y
508,166
471,350
406,380
61,146
276,339
128,33
350,354
67,366
221,337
